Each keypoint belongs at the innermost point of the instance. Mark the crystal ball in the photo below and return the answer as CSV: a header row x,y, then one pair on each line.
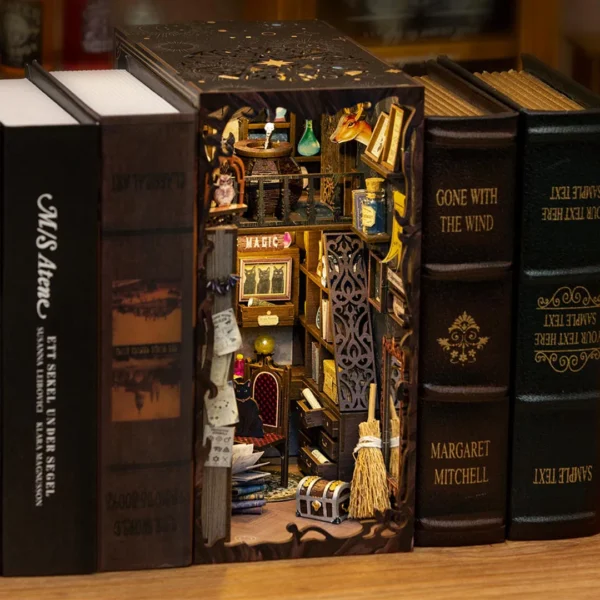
x,y
264,344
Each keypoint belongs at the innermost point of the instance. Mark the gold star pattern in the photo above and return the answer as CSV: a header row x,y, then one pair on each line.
x,y
274,63
352,73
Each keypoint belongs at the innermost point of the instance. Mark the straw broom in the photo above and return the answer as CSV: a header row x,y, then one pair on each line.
x,y
394,442
369,490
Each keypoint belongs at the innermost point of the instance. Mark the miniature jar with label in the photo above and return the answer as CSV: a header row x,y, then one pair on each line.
x,y
373,207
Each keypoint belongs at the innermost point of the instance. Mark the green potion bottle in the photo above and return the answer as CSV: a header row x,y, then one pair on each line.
x,y
309,144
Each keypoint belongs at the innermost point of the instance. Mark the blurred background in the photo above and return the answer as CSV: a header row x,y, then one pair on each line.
x,y
563,33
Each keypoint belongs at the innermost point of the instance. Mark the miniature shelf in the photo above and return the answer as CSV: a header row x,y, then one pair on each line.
x,y
314,331
314,278
397,320
380,169
303,159
377,306
379,238
261,126
232,209
322,397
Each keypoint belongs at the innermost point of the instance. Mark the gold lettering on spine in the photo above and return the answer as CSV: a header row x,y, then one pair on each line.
x,y
562,475
461,450
578,193
461,198
568,308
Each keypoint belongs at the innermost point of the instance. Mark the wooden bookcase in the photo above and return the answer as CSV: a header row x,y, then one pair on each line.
x,y
330,430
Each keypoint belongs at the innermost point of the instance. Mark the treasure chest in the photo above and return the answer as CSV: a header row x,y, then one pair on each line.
x,y
322,499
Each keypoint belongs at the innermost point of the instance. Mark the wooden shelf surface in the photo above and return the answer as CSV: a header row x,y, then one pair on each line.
x,y
314,331
554,570
378,238
314,278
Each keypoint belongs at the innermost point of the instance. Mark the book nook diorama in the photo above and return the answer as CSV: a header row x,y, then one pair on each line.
x,y
308,228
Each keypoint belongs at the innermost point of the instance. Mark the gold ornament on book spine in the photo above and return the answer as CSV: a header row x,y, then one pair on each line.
x,y
464,341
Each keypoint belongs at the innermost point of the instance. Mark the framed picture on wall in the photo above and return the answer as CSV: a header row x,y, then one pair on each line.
x,y
394,138
265,278
376,144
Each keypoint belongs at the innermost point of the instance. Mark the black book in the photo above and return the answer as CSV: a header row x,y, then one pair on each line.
x,y
554,491
145,315
50,173
465,346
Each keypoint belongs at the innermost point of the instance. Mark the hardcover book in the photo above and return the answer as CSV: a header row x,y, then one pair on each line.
x,y
146,329
465,345
554,488
49,236
250,83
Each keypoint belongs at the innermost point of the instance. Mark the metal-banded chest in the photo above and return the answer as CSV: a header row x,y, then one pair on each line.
x,y
322,499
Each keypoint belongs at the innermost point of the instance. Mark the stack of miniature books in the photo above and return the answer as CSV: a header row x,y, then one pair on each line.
x,y
248,484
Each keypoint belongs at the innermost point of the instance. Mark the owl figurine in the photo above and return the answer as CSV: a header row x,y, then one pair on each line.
x,y
224,191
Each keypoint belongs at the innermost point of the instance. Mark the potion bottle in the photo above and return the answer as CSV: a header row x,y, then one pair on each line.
x,y
309,144
373,207
239,366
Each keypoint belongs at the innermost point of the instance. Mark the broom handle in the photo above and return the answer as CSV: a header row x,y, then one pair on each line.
x,y
392,408
372,397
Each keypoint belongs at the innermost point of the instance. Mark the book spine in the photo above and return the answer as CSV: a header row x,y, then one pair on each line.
x,y
247,504
147,349
257,496
241,490
468,219
257,510
49,349
555,491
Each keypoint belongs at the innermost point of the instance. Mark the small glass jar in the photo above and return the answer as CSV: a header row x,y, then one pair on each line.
x,y
373,207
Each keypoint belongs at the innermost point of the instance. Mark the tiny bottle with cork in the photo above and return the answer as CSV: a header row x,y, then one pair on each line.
x,y
373,207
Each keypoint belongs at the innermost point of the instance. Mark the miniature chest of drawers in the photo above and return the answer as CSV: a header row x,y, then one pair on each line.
x,y
332,433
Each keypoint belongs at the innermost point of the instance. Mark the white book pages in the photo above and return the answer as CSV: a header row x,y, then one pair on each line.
x,y
114,93
22,104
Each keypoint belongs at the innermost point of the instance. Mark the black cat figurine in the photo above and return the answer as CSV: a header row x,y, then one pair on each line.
x,y
250,424
264,281
249,281
277,285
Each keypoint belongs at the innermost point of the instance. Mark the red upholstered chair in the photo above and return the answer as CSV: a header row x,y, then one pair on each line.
x,y
271,391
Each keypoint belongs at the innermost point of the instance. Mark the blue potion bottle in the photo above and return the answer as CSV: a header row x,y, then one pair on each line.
x,y
373,207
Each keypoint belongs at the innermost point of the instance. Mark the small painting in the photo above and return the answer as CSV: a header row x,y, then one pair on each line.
x,y
265,279
376,145
394,139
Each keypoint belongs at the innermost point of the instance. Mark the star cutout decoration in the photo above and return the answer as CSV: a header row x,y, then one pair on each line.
x,y
274,63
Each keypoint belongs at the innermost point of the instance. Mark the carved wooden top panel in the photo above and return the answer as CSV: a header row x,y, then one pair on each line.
x,y
228,55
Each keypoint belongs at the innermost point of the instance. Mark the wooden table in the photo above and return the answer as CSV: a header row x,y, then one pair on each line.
x,y
565,570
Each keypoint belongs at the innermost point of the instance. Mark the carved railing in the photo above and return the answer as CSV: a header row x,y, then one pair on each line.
x,y
342,181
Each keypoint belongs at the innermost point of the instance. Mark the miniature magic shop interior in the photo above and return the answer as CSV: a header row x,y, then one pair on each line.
x,y
310,177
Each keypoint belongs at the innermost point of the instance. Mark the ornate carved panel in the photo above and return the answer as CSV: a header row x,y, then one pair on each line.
x,y
353,333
